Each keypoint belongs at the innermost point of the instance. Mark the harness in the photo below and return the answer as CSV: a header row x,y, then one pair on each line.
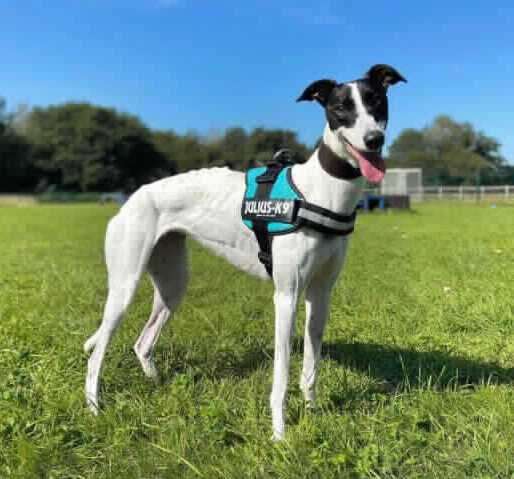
x,y
273,205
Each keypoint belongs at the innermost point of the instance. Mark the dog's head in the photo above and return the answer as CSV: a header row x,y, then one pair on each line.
x,y
357,116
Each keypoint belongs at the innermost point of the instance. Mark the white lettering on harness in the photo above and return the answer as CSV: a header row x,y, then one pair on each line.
x,y
267,208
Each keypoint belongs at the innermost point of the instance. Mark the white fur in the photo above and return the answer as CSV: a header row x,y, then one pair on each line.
x,y
148,234
365,123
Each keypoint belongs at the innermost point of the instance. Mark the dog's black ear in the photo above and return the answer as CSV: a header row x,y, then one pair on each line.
x,y
384,75
319,90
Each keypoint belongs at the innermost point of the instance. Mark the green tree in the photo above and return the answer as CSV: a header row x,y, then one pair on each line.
x,y
263,143
234,147
448,151
84,147
16,171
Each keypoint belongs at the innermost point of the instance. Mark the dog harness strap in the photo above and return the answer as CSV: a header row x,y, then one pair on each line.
x,y
335,166
272,205
325,221
265,183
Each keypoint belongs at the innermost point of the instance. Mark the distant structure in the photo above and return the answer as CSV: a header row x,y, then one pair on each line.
x,y
403,181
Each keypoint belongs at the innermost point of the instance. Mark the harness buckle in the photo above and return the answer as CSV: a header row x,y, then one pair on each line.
x,y
284,156
281,159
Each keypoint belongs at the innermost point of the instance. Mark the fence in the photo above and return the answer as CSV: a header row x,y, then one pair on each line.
x,y
58,197
474,193
425,193
17,199
464,193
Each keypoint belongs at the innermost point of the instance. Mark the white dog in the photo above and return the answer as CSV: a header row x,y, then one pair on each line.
x,y
149,234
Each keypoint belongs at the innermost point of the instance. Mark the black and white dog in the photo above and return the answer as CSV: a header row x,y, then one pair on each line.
x,y
149,234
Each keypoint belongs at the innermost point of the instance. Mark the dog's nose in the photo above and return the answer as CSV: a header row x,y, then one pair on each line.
x,y
374,140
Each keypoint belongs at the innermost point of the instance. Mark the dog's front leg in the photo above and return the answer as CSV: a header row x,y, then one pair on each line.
x,y
317,303
285,313
317,308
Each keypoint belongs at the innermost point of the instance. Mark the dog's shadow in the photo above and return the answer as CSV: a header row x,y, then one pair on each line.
x,y
390,367
395,366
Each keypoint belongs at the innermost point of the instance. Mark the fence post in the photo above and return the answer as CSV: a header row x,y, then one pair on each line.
x,y
461,192
440,194
482,191
507,192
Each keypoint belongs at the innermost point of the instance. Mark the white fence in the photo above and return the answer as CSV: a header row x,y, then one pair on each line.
x,y
493,193
469,193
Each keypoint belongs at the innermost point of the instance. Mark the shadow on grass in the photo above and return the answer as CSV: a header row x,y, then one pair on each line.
x,y
416,369
389,365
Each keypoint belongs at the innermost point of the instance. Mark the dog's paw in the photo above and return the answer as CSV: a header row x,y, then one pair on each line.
x,y
150,370
93,406
278,436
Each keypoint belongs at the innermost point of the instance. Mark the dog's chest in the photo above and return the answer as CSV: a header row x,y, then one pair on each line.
x,y
334,194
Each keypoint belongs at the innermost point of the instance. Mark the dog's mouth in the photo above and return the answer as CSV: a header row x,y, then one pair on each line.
x,y
371,163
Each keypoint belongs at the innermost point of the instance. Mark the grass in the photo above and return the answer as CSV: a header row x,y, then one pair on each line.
x,y
417,377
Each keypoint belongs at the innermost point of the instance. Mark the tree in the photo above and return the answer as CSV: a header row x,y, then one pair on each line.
x,y
263,143
84,147
16,171
448,151
234,147
410,142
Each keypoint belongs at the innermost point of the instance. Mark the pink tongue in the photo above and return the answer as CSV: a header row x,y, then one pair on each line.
x,y
372,165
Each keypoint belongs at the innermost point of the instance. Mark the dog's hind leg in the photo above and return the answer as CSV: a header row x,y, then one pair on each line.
x,y
129,241
168,269
150,334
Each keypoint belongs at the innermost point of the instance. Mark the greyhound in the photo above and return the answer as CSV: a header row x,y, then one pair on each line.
x,y
149,234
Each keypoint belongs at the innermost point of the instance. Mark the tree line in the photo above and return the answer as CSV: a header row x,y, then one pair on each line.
x,y
84,147
451,153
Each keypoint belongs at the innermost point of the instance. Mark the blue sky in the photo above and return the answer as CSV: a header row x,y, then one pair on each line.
x,y
208,65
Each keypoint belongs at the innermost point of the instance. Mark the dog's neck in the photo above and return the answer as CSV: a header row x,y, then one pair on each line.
x,y
321,188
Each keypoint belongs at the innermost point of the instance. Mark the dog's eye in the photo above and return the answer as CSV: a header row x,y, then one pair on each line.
x,y
348,103
345,105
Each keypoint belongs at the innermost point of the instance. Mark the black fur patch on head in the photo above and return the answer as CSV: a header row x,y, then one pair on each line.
x,y
340,109
319,90
338,98
374,99
384,75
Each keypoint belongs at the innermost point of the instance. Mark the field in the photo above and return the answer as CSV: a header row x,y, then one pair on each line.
x,y
417,378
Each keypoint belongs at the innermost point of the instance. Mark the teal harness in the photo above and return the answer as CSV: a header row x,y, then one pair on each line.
x,y
273,205
278,209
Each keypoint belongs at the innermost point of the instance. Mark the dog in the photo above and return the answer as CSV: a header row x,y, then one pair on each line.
x,y
149,234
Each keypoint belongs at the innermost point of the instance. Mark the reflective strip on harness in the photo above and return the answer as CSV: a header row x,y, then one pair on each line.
x,y
321,216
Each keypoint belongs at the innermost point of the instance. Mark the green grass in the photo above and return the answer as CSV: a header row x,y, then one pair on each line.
x,y
417,378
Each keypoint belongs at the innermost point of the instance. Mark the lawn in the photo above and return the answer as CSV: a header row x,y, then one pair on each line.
x,y
417,378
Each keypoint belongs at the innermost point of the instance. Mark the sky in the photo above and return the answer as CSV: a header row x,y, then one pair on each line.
x,y
208,65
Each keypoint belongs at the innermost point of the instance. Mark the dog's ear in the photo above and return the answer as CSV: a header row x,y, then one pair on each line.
x,y
384,75
319,90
